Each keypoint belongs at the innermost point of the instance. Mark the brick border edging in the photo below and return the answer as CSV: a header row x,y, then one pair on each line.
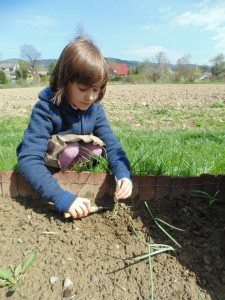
x,y
100,185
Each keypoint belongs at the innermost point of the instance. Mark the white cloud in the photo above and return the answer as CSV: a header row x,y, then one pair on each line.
x,y
41,21
210,17
151,51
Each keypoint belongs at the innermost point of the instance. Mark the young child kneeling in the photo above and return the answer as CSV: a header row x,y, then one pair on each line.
x,y
71,106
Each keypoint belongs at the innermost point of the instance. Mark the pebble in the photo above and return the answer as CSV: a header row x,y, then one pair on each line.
x,y
53,279
68,283
67,293
94,278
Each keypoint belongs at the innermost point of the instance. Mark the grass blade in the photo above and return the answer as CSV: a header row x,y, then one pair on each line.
x,y
5,274
154,253
171,226
28,262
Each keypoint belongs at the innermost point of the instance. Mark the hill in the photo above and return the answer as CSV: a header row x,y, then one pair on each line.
x,y
46,62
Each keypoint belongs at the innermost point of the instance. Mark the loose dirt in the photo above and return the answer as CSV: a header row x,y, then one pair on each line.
x,y
122,99
98,253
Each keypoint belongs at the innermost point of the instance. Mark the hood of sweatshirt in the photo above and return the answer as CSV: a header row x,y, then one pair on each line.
x,y
46,94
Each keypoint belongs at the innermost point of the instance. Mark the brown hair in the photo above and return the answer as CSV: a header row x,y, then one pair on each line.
x,y
82,62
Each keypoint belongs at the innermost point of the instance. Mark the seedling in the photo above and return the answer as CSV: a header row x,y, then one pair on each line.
x,y
201,194
153,249
15,277
116,203
157,220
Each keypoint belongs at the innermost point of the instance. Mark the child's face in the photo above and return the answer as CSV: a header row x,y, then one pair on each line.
x,y
80,95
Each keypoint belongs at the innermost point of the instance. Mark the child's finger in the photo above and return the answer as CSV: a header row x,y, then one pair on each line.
x,y
124,192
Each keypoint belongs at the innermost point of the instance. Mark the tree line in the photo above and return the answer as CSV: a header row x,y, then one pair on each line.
x,y
158,69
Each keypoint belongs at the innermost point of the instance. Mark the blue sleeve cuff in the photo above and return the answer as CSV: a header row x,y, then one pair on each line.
x,y
122,173
63,200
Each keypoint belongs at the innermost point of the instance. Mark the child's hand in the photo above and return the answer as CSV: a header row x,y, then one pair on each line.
x,y
125,189
80,208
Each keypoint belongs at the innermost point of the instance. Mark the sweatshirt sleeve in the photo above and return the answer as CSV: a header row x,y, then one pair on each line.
x,y
118,162
31,153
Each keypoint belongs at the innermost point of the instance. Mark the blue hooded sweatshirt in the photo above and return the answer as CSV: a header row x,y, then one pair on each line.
x,y
48,119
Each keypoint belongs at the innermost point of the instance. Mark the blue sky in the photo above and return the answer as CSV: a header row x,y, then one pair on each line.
x,y
125,29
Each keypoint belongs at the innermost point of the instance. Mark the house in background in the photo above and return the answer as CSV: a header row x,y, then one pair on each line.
x,y
9,69
205,75
115,69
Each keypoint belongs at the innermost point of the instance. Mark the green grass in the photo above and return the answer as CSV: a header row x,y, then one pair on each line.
x,y
10,136
175,152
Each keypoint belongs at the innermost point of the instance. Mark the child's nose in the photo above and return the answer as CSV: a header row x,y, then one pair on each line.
x,y
90,95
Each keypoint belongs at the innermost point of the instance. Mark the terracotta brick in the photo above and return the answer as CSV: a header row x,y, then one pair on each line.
x,y
9,184
136,179
101,182
24,189
194,183
178,187
163,186
147,188
68,181
208,184
220,186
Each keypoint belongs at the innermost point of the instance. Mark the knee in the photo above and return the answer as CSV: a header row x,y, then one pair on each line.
x,y
68,154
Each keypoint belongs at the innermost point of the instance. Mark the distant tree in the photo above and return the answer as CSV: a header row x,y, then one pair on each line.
x,y
160,65
51,67
218,66
3,78
183,67
22,72
205,68
193,74
31,56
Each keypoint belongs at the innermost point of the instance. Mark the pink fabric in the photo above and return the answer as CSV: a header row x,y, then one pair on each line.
x,y
68,154
78,152
88,151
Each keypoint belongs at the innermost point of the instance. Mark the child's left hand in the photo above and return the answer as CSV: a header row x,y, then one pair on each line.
x,y
125,189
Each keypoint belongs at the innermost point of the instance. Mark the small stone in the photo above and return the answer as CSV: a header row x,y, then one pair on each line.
x,y
94,278
19,240
53,279
67,293
68,283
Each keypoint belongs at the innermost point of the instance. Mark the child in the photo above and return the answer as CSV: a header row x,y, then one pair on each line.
x,y
71,105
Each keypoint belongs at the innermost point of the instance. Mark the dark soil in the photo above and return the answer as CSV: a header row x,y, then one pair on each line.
x,y
97,252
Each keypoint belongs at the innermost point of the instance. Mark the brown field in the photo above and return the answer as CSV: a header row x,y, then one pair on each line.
x,y
97,253
132,104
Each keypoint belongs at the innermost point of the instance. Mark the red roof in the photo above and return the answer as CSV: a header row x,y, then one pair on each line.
x,y
119,69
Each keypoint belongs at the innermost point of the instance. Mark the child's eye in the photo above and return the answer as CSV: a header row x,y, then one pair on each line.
x,y
82,89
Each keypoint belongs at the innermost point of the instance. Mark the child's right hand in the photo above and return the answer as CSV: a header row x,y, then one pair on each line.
x,y
80,208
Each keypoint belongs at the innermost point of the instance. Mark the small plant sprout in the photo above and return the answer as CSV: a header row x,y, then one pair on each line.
x,y
15,277
116,203
157,221
201,194
153,249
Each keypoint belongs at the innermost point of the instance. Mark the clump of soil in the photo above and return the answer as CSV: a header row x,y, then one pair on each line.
x,y
97,252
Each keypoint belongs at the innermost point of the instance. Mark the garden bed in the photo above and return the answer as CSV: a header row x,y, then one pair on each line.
x,y
97,253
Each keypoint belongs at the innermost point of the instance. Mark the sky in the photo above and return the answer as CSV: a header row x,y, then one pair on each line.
x,y
125,29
